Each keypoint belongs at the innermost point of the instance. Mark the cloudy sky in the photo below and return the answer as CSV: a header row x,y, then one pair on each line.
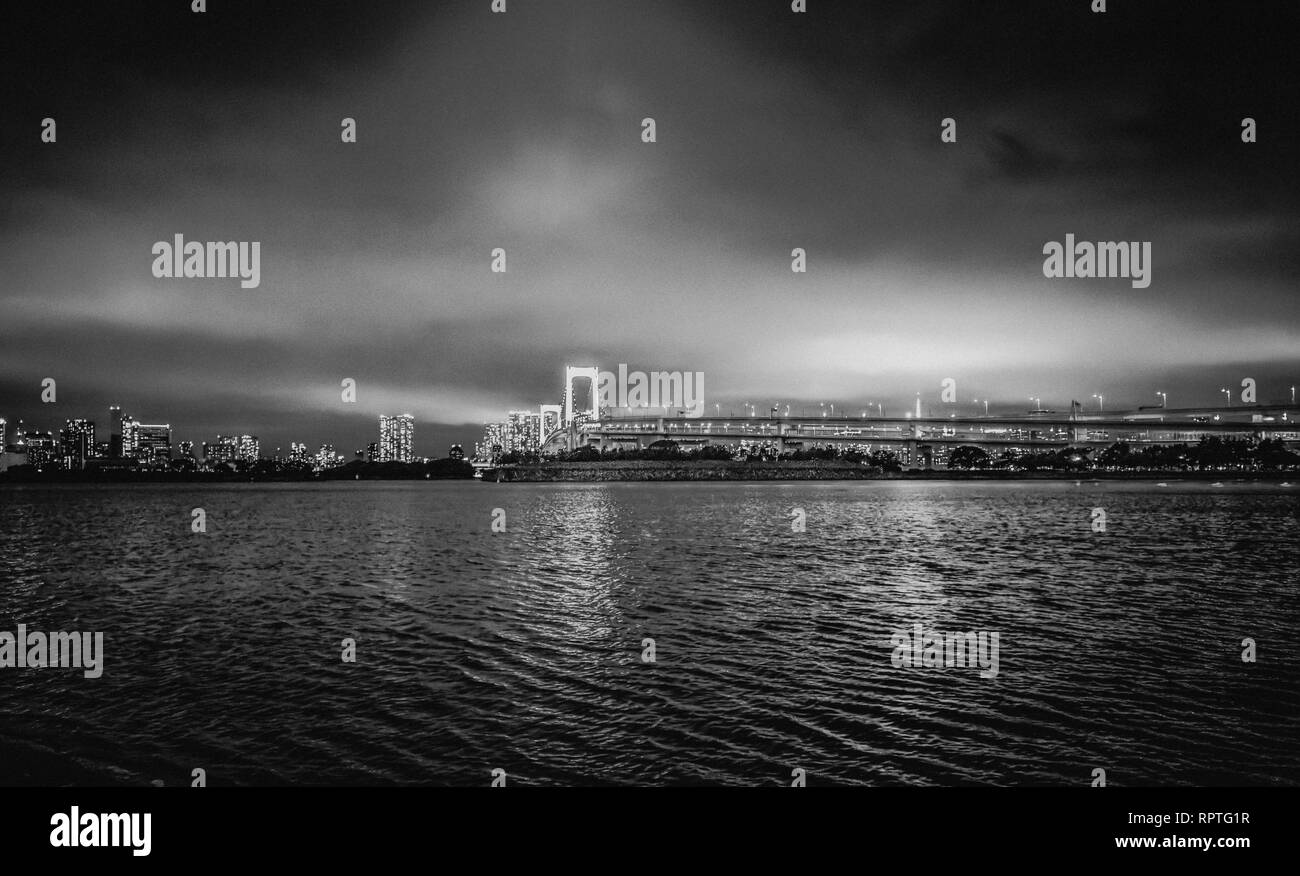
x,y
522,130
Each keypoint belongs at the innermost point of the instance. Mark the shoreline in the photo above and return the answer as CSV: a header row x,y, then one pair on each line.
x,y
708,471
649,471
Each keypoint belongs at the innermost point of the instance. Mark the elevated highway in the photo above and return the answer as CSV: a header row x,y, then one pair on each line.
x,y
923,440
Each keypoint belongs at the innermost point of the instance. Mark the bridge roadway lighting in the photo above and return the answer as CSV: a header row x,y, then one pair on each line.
x,y
1164,398
1228,394
1101,401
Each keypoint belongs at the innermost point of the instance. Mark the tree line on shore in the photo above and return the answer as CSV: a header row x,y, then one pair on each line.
x,y
671,451
1210,454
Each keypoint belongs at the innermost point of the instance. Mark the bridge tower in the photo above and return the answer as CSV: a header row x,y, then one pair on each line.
x,y
580,372
551,418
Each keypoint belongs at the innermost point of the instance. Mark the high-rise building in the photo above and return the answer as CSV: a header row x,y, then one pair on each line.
x,y
298,453
327,458
523,432
250,448
130,434
224,449
397,438
114,432
153,444
41,447
148,443
494,442
76,444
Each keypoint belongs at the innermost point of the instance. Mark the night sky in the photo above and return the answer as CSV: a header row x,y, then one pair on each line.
x,y
523,131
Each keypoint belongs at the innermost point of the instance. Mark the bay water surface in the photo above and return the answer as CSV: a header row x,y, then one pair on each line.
x,y
523,650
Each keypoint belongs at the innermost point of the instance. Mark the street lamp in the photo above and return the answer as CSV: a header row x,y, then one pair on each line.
x,y
1164,398
1228,394
986,407
1101,401
1293,395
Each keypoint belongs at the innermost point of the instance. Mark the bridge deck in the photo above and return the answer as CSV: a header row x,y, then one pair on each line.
x,y
1046,429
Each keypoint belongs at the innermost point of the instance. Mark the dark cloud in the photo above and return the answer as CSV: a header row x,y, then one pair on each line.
x,y
1015,159
775,130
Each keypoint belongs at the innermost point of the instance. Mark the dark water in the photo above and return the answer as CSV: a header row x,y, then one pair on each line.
x,y
522,650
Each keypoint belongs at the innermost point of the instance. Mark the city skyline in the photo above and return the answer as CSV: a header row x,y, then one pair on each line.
x,y
396,440
126,438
